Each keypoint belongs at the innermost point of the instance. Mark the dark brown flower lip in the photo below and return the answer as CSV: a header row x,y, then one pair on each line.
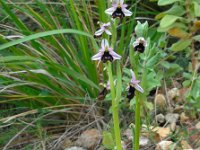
x,y
106,57
131,92
140,48
118,13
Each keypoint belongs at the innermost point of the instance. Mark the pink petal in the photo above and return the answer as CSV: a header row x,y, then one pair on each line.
x,y
139,88
99,32
98,56
115,5
126,12
133,75
123,6
110,11
140,40
114,55
136,43
108,32
135,81
106,24
104,43
121,2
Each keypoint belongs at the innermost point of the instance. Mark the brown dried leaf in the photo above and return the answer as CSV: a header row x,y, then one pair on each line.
x,y
185,145
197,24
177,32
162,132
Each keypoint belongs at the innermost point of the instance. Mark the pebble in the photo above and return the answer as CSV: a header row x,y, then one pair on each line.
x,y
173,93
165,145
172,117
160,100
144,141
160,118
75,148
184,118
89,139
198,125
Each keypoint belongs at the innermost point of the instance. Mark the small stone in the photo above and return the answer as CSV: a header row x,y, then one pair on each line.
x,y
184,118
185,145
178,109
144,141
66,143
123,146
197,125
165,145
129,134
170,117
181,98
160,100
173,93
89,139
101,148
172,126
75,148
160,118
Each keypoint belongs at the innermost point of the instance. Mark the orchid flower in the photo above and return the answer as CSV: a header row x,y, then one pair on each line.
x,y
140,44
103,28
118,10
134,85
106,53
104,91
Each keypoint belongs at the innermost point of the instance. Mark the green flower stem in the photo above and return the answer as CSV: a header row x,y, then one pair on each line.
x,y
137,122
134,59
114,109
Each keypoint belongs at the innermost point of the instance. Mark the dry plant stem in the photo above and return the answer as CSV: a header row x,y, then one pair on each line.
x,y
193,56
155,106
190,17
114,108
168,100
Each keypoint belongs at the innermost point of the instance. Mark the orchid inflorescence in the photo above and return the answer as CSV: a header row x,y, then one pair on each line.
x,y
106,53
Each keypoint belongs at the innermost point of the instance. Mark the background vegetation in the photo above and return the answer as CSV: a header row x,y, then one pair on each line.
x,y
48,81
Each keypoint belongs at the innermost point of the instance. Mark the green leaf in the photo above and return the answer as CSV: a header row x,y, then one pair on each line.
x,y
6,59
141,29
149,105
166,2
176,24
153,60
197,38
168,20
173,69
187,83
195,92
43,34
108,140
165,64
187,75
176,10
181,45
196,9
153,80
